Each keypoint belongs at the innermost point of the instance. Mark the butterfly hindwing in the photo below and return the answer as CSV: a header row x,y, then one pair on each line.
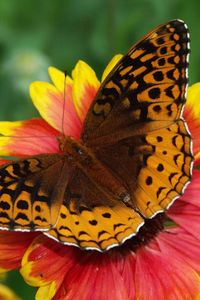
x,y
156,167
31,192
89,220
49,193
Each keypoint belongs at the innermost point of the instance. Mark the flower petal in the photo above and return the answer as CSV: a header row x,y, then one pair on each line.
x,y
3,161
12,247
3,273
158,277
125,264
55,107
193,123
176,242
111,65
95,276
46,292
23,138
7,294
192,116
193,96
85,87
186,210
58,78
41,254
73,273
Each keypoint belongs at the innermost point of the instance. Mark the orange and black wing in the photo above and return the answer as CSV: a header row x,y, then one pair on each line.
x,y
135,124
90,219
145,91
49,193
32,191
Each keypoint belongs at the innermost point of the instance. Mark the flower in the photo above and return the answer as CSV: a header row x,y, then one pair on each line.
x,y
165,267
7,294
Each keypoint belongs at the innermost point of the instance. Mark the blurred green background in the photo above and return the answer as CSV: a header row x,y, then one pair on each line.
x,y
35,34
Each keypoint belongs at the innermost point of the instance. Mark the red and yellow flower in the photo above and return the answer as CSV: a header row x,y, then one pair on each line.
x,y
167,267
5,292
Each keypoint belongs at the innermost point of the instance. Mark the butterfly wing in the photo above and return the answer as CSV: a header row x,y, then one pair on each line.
x,y
90,220
135,124
48,193
156,166
145,90
31,192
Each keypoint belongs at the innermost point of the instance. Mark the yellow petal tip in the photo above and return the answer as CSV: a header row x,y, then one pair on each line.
x,y
111,65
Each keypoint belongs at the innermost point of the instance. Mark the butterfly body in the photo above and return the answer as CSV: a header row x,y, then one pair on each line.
x,y
134,158
83,158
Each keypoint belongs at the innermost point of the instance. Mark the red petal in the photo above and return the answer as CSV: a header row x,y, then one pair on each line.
x,y
160,276
29,137
178,243
186,210
12,248
95,276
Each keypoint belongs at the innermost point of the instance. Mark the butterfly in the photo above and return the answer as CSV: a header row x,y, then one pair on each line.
x,y
134,157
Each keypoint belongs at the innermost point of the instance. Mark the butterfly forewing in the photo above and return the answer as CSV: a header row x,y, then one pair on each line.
x,y
147,85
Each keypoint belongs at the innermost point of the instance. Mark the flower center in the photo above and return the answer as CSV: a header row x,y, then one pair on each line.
x,y
147,232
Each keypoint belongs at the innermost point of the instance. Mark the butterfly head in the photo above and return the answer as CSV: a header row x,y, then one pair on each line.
x,y
70,145
73,148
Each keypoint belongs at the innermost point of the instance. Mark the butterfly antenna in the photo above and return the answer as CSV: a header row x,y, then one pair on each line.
x,y
64,103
